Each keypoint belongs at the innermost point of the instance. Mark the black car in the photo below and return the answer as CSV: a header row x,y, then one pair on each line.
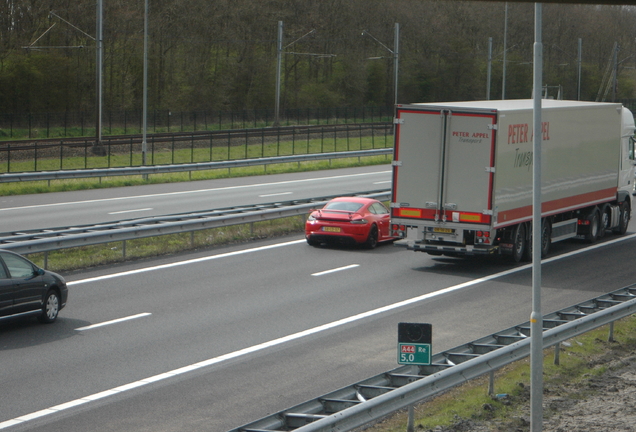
x,y
27,289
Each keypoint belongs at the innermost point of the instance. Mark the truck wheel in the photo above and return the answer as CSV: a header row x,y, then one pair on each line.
x,y
624,219
546,237
546,232
604,222
519,243
592,235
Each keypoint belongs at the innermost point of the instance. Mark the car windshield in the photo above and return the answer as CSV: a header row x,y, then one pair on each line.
x,y
343,205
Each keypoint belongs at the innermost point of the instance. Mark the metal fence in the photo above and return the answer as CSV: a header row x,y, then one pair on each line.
x,y
100,173
82,123
193,148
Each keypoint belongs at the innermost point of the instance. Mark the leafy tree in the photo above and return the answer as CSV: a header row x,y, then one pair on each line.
x,y
213,55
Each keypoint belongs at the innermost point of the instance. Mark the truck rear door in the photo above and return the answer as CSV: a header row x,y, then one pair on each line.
x,y
443,165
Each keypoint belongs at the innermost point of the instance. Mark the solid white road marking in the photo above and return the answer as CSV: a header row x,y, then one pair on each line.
x,y
130,211
115,321
280,341
336,270
275,194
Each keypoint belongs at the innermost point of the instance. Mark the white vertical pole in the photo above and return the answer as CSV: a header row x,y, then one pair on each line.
x,y
489,68
279,57
579,66
144,145
396,58
98,67
536,319
503,80
615,81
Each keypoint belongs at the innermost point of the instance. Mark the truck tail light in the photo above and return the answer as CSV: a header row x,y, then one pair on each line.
x,y
482,237
398,230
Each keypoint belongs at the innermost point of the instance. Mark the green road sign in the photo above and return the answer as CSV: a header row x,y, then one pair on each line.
x,y
414,354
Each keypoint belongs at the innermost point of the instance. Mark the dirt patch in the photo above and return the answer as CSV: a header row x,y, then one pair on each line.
x,y
600,404
597,403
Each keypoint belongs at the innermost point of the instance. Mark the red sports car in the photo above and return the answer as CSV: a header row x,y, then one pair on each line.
x,y
349,220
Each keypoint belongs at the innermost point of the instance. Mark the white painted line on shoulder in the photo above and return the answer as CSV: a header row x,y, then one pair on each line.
x,y
275,194
130,211
336,270
115,321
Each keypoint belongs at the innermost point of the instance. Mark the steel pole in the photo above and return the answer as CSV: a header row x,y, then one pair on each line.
x,y
503,80
580,53
98,67
489,68
279,59
615,81
396,59
144,145
536,319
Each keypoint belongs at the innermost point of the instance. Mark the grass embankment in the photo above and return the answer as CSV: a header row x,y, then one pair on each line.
x,y
110,253
582,361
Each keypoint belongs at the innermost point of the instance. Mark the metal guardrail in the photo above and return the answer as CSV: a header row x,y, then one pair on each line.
x,y
45,240
374,398
164,169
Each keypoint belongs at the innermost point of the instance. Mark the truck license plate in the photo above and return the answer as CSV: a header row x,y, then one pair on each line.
x,y
331,229
443,230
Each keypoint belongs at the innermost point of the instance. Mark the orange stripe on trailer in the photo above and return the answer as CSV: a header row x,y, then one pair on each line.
x,y
410,212
474,218
415,213
469,217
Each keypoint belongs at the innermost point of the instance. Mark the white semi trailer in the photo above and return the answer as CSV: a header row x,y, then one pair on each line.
x,y
462,175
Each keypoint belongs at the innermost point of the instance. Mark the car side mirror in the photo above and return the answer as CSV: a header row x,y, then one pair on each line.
x,y
40,272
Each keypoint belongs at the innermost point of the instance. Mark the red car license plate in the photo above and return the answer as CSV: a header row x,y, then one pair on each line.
x,y
331,229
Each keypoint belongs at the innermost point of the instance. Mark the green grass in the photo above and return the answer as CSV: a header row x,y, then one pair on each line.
x,y
581,359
